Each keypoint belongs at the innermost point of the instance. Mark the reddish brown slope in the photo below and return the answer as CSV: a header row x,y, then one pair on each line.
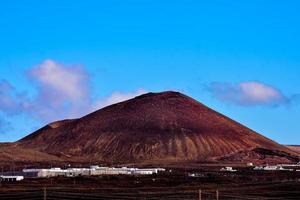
x,y
166,126
10,152
295,148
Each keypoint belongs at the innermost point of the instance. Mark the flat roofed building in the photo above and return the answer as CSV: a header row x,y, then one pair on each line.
x,y
11,178
93,170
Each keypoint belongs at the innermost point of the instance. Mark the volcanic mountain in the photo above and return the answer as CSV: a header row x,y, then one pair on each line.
x,y
155,128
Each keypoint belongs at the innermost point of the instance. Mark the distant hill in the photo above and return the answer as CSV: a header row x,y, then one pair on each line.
x,y
155,128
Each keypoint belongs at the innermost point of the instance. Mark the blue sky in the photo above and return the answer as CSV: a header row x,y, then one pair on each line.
x,y
63,59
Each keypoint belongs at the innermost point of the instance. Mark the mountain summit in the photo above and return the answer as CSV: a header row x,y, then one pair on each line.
x,y
155,127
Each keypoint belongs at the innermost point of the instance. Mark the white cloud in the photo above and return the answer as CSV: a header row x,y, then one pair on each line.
x,y
248,93
254,92
70,82
63,91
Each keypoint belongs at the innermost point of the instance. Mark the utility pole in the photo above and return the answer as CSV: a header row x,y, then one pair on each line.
x,y
1,177
14,170
200,193
45,193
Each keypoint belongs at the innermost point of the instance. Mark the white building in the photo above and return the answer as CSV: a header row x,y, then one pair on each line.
x,y
258,168
71,172
93,170
52,172
96,170
228,169
11,178
272,168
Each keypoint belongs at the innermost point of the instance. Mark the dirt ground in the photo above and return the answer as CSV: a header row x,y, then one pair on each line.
x,y
172,184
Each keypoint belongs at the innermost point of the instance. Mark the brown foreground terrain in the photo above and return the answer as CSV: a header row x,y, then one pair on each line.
x,y
175,184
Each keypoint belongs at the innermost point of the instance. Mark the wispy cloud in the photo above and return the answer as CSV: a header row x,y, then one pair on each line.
x,y
8,98
63,91
4,126
69,82
250,93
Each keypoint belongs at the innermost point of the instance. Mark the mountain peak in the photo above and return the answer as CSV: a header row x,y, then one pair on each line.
x,y
165,94
154,126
